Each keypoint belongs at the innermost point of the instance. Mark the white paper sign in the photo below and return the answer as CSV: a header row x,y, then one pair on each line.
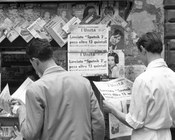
x,y
88,63
5,98
88,38
20,93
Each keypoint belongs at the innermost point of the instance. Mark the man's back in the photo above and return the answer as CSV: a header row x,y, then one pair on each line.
x,y
71,111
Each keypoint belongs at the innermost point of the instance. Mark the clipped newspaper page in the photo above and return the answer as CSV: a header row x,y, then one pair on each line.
x,y
72,21
20,93
54,28
5,98
118,92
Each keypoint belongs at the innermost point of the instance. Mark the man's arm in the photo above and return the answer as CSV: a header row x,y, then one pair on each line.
x,y
31,116
98,124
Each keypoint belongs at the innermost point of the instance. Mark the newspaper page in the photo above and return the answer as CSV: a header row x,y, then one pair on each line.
x,y
118,92
115,20
37,29
9,32
54,28
23,32
20,93
5,98
2,27
87,50
72,21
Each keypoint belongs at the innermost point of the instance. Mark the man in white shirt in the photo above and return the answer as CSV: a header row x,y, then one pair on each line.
x,y
152,108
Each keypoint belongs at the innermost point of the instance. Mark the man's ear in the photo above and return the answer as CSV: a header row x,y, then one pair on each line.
x,y
143,50
36,60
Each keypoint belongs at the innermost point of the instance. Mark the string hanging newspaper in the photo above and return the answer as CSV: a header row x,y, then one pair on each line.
x,y
118,92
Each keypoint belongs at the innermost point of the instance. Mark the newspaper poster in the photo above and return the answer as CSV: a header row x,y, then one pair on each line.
x,y
88,63
88,38
87,49
54,28
118,92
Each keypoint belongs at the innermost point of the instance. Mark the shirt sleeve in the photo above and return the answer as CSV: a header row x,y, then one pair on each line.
x,y
31,117
138,106
97,119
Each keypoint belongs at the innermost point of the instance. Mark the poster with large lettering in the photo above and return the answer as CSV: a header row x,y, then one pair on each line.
x,y
88,50
118,92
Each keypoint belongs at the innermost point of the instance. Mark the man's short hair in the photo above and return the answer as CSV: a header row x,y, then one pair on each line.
x,y
39,48
151,41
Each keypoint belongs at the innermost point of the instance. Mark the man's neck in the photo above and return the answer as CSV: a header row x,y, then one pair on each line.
x,y
151,57
48,64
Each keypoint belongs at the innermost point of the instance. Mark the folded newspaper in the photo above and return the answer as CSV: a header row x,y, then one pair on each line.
x,y
118,92
20,93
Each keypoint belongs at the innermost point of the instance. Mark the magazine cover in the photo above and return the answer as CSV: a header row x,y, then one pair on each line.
x,y
116,38
77,10
63,10
48,11
31,12
116,64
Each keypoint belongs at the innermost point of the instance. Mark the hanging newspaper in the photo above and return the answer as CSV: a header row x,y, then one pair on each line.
x,y
115,20
54,28
87,50
2,26
70,23
118,92
20,93
37,29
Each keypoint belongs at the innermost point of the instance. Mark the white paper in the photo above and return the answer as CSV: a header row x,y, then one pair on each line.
x,y
5,98
88,63
73,21
88,38
118,92
20,93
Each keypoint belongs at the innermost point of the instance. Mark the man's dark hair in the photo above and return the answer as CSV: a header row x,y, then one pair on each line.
x,y
39,48
115,55
151,41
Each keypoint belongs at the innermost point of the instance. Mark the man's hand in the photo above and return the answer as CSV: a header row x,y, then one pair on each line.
x,y
15,104
107,106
